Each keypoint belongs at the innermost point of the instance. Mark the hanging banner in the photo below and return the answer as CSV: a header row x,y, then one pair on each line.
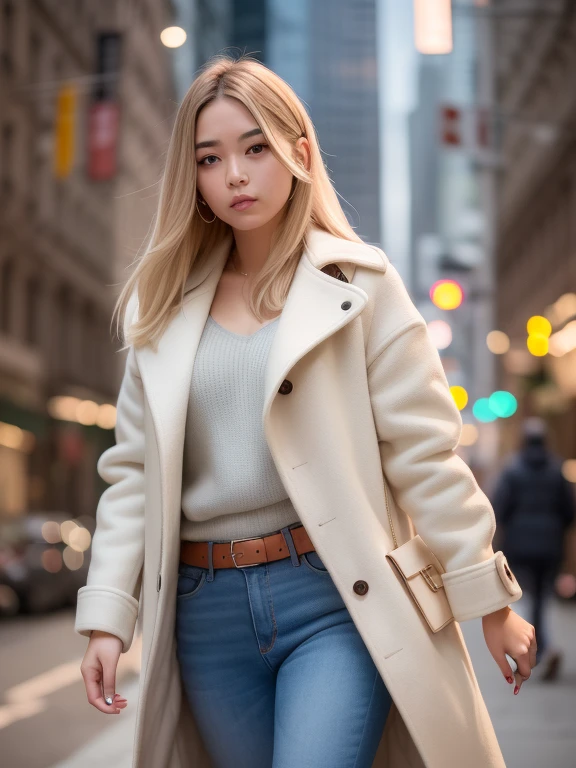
x,y
65,131
104,111
103,134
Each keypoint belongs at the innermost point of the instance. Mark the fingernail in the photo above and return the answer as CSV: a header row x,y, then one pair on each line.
x,y
516,689
509,680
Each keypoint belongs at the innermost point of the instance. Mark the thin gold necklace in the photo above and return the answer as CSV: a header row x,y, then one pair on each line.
x,y
234,266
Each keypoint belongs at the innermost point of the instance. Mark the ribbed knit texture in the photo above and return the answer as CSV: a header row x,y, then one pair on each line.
x,y
231,488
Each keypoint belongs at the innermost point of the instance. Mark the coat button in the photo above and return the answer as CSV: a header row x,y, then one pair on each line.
x,y
360,587
285,387
346,305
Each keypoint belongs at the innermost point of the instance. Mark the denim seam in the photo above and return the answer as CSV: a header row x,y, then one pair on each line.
x,y
271,606
366,718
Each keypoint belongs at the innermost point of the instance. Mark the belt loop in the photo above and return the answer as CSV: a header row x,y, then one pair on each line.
x,y
210,576
291,546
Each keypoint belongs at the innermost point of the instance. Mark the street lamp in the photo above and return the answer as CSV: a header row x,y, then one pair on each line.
x,y
173,37
433,26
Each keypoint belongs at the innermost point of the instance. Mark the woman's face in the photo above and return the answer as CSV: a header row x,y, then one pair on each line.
x,y
238,161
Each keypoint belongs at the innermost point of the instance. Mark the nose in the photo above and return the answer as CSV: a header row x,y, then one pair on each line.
x,y
235,174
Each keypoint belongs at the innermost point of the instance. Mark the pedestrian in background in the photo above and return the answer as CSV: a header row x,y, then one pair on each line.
x,y
534,506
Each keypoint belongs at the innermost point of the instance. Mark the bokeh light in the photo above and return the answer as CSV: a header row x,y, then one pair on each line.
x,y
498,342
569,470
537,345
482,411
446,294
440,333
503,404
460,396
173,37
539,326
469,434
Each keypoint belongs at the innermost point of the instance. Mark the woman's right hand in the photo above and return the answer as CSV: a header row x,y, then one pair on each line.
x,y
99,671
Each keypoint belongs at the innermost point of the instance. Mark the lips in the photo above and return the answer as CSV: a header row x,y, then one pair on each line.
x,y
242,199
244,204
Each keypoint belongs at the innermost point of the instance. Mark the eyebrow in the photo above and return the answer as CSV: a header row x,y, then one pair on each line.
x,y
217,142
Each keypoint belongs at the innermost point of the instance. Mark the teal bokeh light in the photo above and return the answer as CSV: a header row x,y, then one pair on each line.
x,y
503,403
482,411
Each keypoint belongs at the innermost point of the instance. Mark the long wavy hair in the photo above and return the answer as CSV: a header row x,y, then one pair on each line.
x,y
179,236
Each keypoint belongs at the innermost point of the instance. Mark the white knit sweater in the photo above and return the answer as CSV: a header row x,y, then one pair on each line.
x,y
230,486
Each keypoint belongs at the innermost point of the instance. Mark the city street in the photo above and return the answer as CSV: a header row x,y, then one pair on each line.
x,y
46,721
44,714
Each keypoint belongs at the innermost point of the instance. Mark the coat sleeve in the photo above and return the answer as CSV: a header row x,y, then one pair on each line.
x,y
110,599
418,426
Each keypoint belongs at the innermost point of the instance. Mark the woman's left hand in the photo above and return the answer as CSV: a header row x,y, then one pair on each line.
x,y
507,632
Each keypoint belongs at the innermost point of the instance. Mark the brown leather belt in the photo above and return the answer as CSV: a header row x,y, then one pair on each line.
x,y
241,553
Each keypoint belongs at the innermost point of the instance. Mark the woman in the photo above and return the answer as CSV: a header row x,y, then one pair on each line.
x,y
278,380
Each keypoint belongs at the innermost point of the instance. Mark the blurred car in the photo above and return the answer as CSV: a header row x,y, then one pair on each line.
x,y
39,570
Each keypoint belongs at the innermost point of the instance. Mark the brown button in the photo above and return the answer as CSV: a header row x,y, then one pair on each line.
x,y
285,387
360,587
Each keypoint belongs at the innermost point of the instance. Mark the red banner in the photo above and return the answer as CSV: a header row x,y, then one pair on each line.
x,y
103,133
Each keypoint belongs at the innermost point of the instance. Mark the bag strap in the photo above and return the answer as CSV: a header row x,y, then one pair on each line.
x,y
390,516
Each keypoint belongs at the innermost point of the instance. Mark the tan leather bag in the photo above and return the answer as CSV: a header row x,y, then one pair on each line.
x,y
421,572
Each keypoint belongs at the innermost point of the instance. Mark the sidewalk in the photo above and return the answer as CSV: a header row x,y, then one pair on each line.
x,y
535,728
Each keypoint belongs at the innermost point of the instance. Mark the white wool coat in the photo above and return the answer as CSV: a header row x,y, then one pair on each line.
x,y
369,405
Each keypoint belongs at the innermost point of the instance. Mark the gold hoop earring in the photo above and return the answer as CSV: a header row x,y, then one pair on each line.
x,y
202,217
292,195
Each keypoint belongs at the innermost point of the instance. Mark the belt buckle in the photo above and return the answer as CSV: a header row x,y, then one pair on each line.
x,y
429,578
233,554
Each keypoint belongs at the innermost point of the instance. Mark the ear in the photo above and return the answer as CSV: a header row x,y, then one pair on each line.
x,y
302,150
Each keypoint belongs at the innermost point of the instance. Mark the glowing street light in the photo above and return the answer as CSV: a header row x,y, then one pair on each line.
x,y
433,26
446,294
173,37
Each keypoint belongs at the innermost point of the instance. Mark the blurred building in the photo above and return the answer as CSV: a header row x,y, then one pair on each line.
x,y
535,65
536,106
86,99
449,226
326,50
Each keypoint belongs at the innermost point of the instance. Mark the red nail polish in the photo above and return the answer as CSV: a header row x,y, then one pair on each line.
x,y
509,680
516,689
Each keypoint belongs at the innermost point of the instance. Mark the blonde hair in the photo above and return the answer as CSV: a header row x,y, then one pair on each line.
x,y
179,235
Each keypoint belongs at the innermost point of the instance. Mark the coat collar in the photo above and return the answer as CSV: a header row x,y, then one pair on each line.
x,y
321,248
314,309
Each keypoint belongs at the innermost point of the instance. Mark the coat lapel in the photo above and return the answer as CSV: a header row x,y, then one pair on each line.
x,y
312,312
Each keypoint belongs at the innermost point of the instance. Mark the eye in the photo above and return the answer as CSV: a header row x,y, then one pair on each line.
x,y
258,145
203,161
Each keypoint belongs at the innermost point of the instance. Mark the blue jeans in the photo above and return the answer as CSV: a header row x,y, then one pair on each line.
x,y
274,669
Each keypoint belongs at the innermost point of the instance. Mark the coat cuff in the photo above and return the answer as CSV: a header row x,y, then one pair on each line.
x,y
109,610
481,588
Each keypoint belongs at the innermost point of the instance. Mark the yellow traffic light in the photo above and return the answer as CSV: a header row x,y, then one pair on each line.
x,y
65,130
446,294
